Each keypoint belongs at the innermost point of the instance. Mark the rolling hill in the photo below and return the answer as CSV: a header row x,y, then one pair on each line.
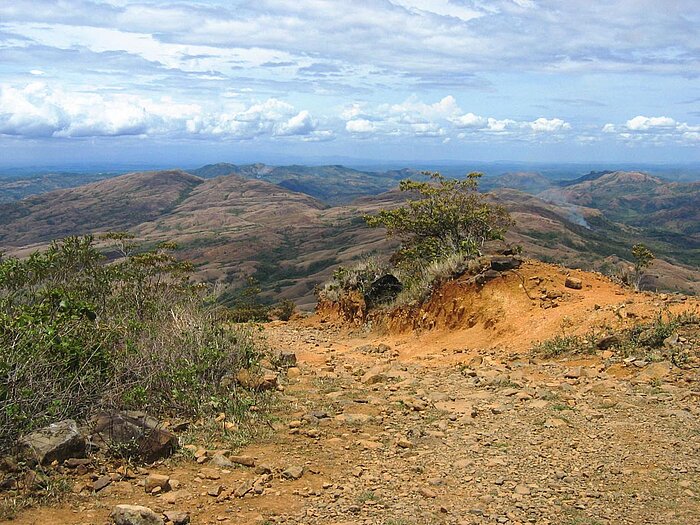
x,y
234,223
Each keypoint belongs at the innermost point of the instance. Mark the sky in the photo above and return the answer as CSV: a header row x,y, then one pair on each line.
x,y
187,82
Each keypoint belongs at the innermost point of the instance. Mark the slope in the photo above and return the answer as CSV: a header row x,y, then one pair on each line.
x,y
118,203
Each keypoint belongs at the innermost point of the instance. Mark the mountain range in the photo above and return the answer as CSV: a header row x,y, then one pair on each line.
x,y
289,227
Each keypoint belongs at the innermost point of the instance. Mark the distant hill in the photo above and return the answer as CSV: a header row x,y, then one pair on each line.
x,y
640,200
18,187
593,175
521,180
331,184
118,203
233,222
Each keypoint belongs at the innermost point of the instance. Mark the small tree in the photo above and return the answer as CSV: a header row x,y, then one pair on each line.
x,y
642,260
448,216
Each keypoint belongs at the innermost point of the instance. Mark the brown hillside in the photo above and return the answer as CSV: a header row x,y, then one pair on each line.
x,y
510,314
119,203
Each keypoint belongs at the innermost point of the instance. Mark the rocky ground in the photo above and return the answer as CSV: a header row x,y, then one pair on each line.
x,y
367,435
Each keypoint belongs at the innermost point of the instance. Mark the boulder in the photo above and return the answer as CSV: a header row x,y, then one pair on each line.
x,y
141,434
383,290
573,283
134,515
57,442
502,264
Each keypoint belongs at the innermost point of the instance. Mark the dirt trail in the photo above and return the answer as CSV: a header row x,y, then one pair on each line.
x,y
404,429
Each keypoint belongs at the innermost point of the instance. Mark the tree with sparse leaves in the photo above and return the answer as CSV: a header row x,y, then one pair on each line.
x,y
642,260
447,216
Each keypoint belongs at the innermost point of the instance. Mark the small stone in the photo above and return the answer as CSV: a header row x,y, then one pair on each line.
x,y
156,480
101,483
177,517
404,443
215,490
243,489
221,461
295,472
263,469
426,492
555,423
247,461
134,515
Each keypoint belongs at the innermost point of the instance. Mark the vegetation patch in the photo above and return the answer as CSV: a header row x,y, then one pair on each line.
x,y
81,334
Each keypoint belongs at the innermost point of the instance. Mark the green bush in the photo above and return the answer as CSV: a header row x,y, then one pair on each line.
x,y
80,333
442,229
448,216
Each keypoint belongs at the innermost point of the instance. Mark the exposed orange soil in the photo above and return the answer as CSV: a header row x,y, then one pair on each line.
x,y
503,436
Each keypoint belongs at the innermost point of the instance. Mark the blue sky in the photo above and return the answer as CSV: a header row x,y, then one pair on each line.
x,y
187,82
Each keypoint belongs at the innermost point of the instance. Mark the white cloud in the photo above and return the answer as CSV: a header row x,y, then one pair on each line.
x,y
469,120
549,125
641,123
360,126
37,110
299,124
654,130
444,118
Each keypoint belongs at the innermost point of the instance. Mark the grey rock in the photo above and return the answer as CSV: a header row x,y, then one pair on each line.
x,y
134,515
57,442
502,264
293,472
134,430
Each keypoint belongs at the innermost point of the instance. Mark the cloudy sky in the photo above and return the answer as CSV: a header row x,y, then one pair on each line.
x,y
231,80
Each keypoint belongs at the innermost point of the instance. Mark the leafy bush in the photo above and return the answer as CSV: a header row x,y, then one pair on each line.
x,y
284,310
80,333
449,216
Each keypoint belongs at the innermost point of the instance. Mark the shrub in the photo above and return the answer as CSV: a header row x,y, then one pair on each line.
x,y
448,216
356,278
419,285
80,333
245,305
563,344
284,310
